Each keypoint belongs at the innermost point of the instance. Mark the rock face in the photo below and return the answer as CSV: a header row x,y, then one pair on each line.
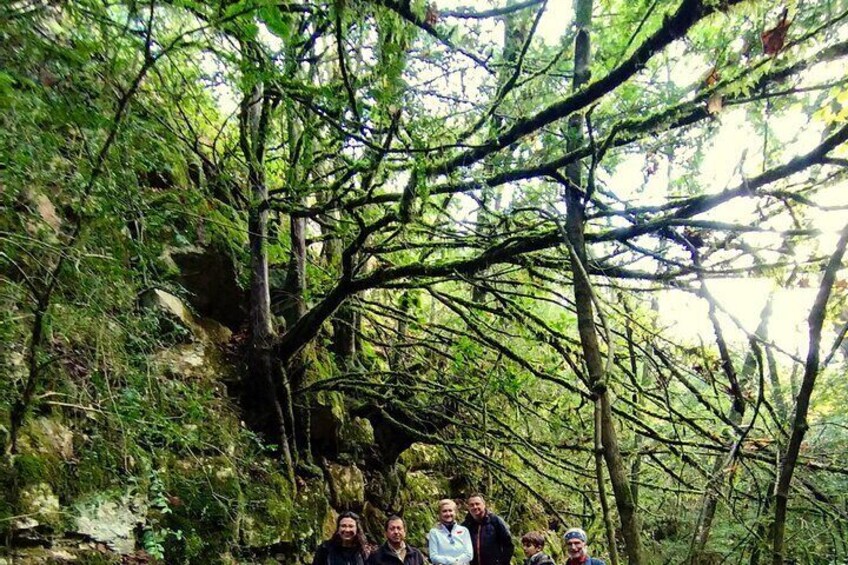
x,y
112,522
347,486
211,279
169,306
39,506
174,310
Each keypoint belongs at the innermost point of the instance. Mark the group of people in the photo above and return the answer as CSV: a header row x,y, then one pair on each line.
x,y
483,538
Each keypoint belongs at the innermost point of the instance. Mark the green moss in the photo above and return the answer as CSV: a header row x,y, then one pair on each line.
x,y
419,519
205,499
424,488
308,523
32,468
268,510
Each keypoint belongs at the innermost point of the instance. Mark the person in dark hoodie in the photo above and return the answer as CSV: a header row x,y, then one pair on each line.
x,y
396,551
533,543
489,534
348,545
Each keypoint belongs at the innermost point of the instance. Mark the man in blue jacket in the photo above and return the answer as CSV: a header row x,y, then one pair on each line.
x,y
489,534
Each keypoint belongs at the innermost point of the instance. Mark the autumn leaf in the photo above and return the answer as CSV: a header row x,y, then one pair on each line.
x,y
715,102
432,15
712,77
774,39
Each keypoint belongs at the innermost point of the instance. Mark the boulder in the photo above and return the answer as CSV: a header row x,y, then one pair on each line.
x,y
423,457
193,361
111,521
175,310
170,307
419,486
358,431
347,486
49,437
38,506
211,278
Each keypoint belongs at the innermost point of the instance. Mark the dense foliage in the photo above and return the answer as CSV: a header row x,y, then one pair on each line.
x,y
459,225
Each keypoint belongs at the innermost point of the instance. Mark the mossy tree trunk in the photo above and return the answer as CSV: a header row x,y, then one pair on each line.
x,y
264,370
577,196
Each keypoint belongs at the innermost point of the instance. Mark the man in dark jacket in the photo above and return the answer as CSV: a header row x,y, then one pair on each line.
x,y
489,534
396,551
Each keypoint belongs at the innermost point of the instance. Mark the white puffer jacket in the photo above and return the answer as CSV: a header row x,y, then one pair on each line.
x,y
450,548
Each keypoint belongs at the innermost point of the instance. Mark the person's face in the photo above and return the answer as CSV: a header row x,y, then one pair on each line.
x,y
529,549
347,529
476,507
575,547
447,513
396,532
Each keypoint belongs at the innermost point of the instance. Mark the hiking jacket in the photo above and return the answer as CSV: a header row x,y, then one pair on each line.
x,y
385,556
491,540
329,553
539,559
450,548
589,561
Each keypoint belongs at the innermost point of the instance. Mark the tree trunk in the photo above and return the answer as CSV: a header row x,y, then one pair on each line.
x,y
802,404
264,371
575,226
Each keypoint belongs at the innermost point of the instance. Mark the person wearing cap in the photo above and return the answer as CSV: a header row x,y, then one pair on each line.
x,y
449,543
575,546
489,534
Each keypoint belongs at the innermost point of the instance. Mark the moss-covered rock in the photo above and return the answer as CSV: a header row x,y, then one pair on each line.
x,y
315,519
112,520
171,309
419,519
204,500
268,511
423,457
355,437
419,486
39,506
358,431
347,486
47,436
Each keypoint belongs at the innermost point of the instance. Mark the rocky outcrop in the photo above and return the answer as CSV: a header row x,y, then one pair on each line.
x,y
211,281
112,522
347,486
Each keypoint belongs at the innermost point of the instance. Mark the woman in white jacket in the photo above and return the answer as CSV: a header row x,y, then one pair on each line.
x,y
449,542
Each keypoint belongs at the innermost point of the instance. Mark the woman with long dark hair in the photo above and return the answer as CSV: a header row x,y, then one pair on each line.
x,y
347,546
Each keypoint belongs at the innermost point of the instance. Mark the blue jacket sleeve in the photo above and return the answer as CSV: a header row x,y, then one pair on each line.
x,y
436,557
